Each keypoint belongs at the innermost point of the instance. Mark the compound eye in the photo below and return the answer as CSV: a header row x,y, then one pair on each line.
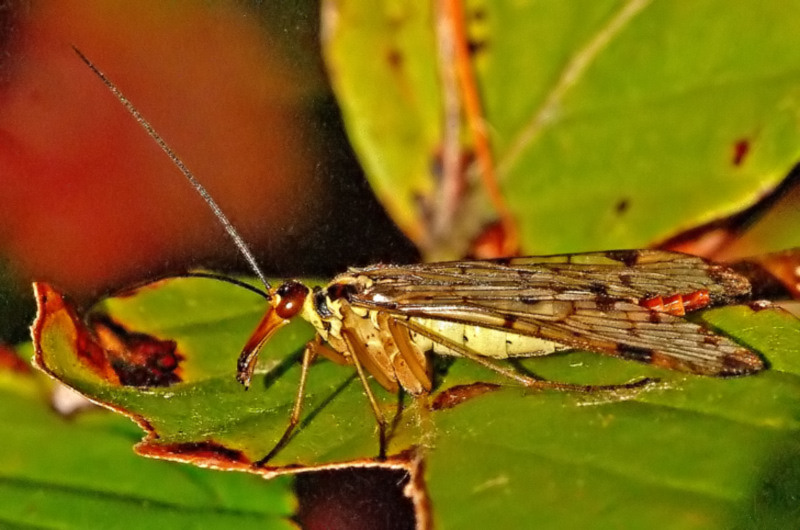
x,y
292,295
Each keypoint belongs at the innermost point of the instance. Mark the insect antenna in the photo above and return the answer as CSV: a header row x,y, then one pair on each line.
x,y
198,187
221,277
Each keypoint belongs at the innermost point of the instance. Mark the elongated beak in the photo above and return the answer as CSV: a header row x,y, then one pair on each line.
x,y
269,324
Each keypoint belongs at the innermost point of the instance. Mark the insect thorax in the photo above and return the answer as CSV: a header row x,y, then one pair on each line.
x,y
323,306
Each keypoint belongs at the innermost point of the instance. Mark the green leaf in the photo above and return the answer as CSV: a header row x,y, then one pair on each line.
x,y
210,322
80,472
614,124
698,452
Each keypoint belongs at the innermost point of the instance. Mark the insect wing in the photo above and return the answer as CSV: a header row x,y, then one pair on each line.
x,y
586,301
629,275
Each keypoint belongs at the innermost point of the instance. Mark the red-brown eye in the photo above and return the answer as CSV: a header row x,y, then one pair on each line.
x,y
292,295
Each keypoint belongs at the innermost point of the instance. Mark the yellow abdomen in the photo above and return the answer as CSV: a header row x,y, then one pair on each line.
x,y
483,341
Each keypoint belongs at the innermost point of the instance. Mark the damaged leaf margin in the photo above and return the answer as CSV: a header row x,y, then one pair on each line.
x,y
71,351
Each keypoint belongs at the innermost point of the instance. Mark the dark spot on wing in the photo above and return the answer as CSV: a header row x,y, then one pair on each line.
x,y
605,303
509,321
635,353
628,257
741,362
622,206
598,288
626,279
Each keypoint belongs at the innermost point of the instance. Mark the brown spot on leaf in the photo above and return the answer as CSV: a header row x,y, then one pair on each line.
x,y
137,359
740,150
205,454
205,449
113,354
622,206
394,58
475,46
56,313
458,394
478,14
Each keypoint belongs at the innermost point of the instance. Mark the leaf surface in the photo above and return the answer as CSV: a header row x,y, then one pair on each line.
x,y
712,453
80,472
609,121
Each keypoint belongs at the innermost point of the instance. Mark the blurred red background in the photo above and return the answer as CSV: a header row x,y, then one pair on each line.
x,y
90,203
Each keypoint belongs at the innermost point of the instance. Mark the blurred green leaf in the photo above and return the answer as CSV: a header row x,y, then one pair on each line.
x,y
614,124
80,472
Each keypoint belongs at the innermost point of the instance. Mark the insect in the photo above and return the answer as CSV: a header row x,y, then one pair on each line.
x,y
386,319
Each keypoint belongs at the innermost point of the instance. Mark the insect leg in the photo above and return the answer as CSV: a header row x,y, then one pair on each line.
x,y
309,355
414,358
355,350
331,354
512,374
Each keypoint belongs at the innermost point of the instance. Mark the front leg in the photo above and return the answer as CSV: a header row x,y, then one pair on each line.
x,y
309,355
